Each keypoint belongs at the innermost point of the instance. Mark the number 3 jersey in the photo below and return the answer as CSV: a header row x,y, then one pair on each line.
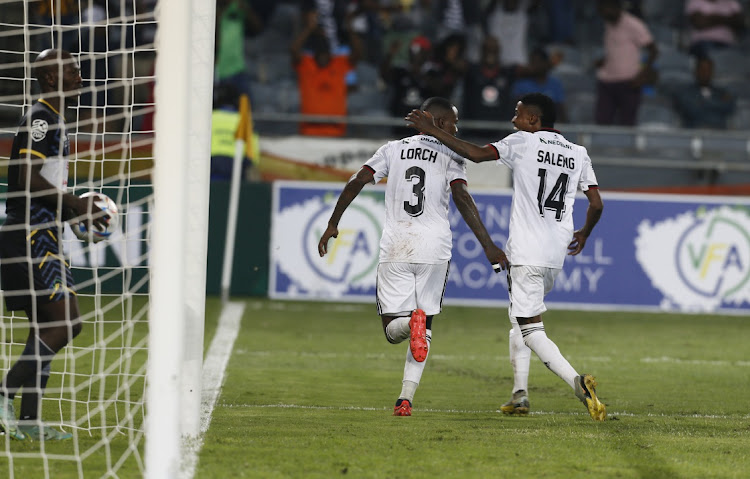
x,y
420,170
547,172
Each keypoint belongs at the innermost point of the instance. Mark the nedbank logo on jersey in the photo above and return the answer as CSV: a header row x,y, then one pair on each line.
x,y
699,260
351,263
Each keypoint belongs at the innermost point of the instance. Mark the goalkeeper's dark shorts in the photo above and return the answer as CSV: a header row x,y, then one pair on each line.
x,y
51,275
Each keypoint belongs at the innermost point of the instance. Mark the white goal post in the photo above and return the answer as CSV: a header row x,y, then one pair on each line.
x,y
182,150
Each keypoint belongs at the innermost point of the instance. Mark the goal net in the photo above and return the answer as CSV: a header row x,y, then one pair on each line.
x,y
98,389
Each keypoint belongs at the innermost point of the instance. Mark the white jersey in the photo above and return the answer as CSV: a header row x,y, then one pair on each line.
x,y
420,170
547,172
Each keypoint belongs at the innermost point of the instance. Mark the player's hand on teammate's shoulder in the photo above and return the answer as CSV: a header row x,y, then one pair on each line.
x,y
497,258
577,244
420,120
330,232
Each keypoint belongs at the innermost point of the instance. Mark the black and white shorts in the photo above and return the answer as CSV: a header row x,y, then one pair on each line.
x,y
404,287
527,287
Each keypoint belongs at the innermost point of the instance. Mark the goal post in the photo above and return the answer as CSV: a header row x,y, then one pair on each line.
x,y
182,150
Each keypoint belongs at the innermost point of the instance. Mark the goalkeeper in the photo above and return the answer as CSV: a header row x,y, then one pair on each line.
x,y
33,273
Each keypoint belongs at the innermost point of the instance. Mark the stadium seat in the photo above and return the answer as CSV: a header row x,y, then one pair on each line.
x,y
741,118
577,82
730,63
656,115
673,59
580,107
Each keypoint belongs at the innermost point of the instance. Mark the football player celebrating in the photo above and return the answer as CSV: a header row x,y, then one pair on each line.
x,y
547,171
415,248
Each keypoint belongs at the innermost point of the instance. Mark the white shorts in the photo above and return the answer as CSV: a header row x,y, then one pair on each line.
x,y
527,287
404,287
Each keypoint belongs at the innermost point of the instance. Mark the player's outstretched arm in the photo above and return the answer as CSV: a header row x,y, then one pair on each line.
x,y
593,213
351,190
468,209
423,121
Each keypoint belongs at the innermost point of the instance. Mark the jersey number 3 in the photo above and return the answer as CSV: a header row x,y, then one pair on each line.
x,y
415,175
555,200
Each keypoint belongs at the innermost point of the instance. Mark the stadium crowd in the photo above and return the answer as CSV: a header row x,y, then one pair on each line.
x,y
672,63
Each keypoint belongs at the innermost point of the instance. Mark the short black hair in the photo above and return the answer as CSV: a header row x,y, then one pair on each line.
x,y
546,106
437,105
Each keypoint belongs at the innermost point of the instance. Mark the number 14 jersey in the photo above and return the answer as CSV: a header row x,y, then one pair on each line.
x,y
420,170
547,172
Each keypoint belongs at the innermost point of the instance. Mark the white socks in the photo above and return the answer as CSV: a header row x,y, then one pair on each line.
x,y
520,358
398,329
413,371
536,339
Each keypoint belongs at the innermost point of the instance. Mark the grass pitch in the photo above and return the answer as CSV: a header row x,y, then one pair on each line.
x,y
310,388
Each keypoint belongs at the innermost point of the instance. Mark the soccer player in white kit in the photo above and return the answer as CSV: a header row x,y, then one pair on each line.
x,y
415,248
547,171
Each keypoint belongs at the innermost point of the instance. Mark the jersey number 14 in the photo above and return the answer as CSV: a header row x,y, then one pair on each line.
x,y
555,200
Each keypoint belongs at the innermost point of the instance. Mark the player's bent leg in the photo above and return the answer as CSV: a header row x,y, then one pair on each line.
x,y
535,338
413,370
54,326
396,328
585,388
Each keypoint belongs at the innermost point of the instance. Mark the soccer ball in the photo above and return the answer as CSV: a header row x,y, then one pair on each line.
x,y
110,208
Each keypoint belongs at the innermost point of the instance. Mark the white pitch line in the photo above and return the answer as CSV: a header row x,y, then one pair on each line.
x,y
484,411
479,357
214,367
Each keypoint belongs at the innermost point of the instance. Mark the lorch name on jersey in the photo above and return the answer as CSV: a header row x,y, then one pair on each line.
x,y
424,154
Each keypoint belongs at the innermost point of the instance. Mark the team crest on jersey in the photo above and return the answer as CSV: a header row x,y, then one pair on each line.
x,y
699,260
39,129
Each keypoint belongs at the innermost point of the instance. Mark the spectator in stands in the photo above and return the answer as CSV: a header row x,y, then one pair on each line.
x,y
487,87
539,80
366,24
448,67
561,21
621,74
331,15
231,67
322,77
701,104
407,84
460,18
509,20
713,24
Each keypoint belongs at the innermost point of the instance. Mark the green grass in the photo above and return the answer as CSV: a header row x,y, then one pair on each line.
x,y
310,389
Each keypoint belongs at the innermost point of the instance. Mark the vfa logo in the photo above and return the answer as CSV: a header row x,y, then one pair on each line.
x,y
353,256
713,254
699,260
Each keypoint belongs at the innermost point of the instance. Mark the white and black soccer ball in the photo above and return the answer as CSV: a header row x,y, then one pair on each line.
x,y
113,223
